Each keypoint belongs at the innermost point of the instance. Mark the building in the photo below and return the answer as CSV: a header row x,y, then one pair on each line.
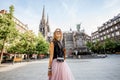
x,y
110,29
21,27
75,40
68,42
44,25
3,11
95,36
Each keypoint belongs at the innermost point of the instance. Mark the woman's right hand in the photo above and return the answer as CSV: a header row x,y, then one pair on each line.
x,y
49,73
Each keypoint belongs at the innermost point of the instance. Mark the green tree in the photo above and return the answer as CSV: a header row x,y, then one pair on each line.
x,y
25,44
96,46
42,45
110,45
117,47
89,44
29,39
7,29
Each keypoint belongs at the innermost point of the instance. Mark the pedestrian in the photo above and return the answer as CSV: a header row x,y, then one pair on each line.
x,y
58,68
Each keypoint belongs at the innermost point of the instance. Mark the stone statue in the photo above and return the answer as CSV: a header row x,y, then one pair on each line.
x,y
78,27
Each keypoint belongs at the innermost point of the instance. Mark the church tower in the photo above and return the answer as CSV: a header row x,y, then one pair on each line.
x,y
44,25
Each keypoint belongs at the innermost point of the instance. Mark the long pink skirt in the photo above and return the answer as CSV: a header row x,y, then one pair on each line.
x,y
61,71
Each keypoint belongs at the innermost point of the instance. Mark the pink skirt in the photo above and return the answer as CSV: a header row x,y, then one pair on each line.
x,y
61,71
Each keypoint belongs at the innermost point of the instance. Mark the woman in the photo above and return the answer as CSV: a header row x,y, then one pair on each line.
x,y
58,68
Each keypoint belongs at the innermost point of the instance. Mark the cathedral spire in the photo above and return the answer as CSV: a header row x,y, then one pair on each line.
x,y
44,25
43,13
47,23
47,20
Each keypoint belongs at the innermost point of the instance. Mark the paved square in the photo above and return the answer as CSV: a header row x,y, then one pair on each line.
x,y
83,69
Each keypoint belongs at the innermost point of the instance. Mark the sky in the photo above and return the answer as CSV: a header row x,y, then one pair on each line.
x,y
64,14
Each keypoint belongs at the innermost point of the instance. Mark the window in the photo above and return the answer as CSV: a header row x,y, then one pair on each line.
x,y
114,22
107,31
97,36
101,38
98,39
113,34
110,23
111,29
106,26
103,28
104,37
117,33
116,27
104,32
119,19
69,37
108,36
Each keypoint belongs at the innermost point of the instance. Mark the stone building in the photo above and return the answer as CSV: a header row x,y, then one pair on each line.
x,y
20,26
75,40
110,29
80,41
44,25
68,42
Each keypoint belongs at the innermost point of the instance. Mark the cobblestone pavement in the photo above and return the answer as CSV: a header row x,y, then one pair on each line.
x,y
83,69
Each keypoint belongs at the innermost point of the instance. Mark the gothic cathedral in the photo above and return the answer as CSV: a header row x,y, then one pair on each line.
x,y
44,25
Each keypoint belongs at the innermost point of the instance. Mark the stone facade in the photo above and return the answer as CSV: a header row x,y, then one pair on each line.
x,y
74,40
21,27
110,29
68,42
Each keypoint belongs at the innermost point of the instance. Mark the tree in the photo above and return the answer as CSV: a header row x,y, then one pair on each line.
x,y
110,45
42,45
25,44
7,29
89,45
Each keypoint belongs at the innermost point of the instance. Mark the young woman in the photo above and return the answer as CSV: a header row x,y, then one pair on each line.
x,y
58,68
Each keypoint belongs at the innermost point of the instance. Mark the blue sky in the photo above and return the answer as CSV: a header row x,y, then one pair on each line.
x,y
64,14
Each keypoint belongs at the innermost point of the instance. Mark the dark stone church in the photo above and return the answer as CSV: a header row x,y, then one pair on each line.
x,y
44,26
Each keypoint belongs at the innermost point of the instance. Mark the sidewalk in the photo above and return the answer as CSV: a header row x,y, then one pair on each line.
x,y
10,66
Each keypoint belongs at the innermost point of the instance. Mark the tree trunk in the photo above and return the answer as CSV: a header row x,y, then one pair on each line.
x,y
2,51
28,57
